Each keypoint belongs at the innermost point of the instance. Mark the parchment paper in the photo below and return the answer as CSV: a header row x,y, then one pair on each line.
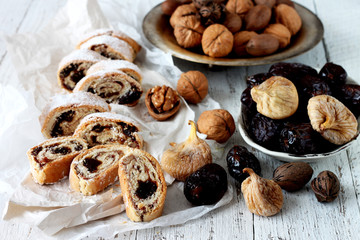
x,y
56,209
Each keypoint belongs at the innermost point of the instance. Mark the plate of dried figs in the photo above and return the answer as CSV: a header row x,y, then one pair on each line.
x,y
326,119
158,30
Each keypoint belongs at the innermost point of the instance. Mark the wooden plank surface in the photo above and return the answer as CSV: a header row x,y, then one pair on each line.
x,y
302,216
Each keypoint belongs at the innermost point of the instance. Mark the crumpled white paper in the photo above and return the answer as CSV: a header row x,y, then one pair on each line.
x,y
56,209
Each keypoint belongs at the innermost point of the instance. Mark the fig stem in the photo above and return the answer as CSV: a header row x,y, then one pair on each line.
x,y
192,134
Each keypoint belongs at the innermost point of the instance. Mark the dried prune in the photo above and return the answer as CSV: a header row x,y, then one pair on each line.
x,y
335,75
349,95
257,79
292,71
265,131
300,138
247,100
239,158
207,185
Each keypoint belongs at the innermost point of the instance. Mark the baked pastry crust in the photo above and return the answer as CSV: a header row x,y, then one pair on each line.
x,y
114,33
109,128
50,160
63,113
110,47
96,168
74,66
142,185
113,86
125,66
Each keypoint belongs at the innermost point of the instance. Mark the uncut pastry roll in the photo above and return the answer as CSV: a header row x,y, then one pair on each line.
x,y
114,33
109,128
110,47
113,86
142,185
63,113
74,66
50,160
125,66
96,168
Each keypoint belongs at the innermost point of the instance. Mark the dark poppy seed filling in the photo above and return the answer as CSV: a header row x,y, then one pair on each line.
x,y
145,189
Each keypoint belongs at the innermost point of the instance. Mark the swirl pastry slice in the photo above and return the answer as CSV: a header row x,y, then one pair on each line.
x,y
96,168
50,160
109,128
114,33
110,47
125,66
113,86
142,185
63,113
74,66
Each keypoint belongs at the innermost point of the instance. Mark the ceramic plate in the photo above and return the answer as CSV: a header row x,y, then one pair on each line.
x,y
158,31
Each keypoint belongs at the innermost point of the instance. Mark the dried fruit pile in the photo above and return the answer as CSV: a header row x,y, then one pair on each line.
x,y
233,27
293,108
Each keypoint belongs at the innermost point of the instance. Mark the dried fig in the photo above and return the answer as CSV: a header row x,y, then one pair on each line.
x,y
193,86
217,124
262,196
281,32
162,102
326,186
217,41
257,18
262,44
185,158
293,176
332,119
289,17
276,98
240,40
188,32
239,6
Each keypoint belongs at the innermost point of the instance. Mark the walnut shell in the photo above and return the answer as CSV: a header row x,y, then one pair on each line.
x,y
162,102
188,32
332,119
217,41
192,86
239,6
217,124
326,186
289,17
276,97
240,41
281,32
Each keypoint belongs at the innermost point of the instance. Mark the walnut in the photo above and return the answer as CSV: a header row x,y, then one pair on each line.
x,y
217,124
193,86
188,32
332,119
276,97
240,41
326,186
217,41
183,11
262,196
239,6
162,102
281,32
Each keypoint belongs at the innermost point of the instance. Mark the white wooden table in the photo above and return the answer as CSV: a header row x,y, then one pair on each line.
x,y
302,217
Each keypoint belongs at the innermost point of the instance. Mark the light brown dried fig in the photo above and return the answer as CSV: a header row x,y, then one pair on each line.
x,y
232,22
262,44
217,41
289,17
281,32
239,6
182,11
162,102
184,158
262,196
257,18
217,124
193,86
276,97
240,40
188,32
332,119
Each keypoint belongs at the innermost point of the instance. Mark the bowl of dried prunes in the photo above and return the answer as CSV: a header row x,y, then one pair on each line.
x,y
295,112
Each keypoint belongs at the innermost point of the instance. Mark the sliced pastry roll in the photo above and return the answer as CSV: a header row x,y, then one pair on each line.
x,y
109,128
114,33
142,185
74,66
113,86
50,160
63,113
125,66
96,168
110,47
